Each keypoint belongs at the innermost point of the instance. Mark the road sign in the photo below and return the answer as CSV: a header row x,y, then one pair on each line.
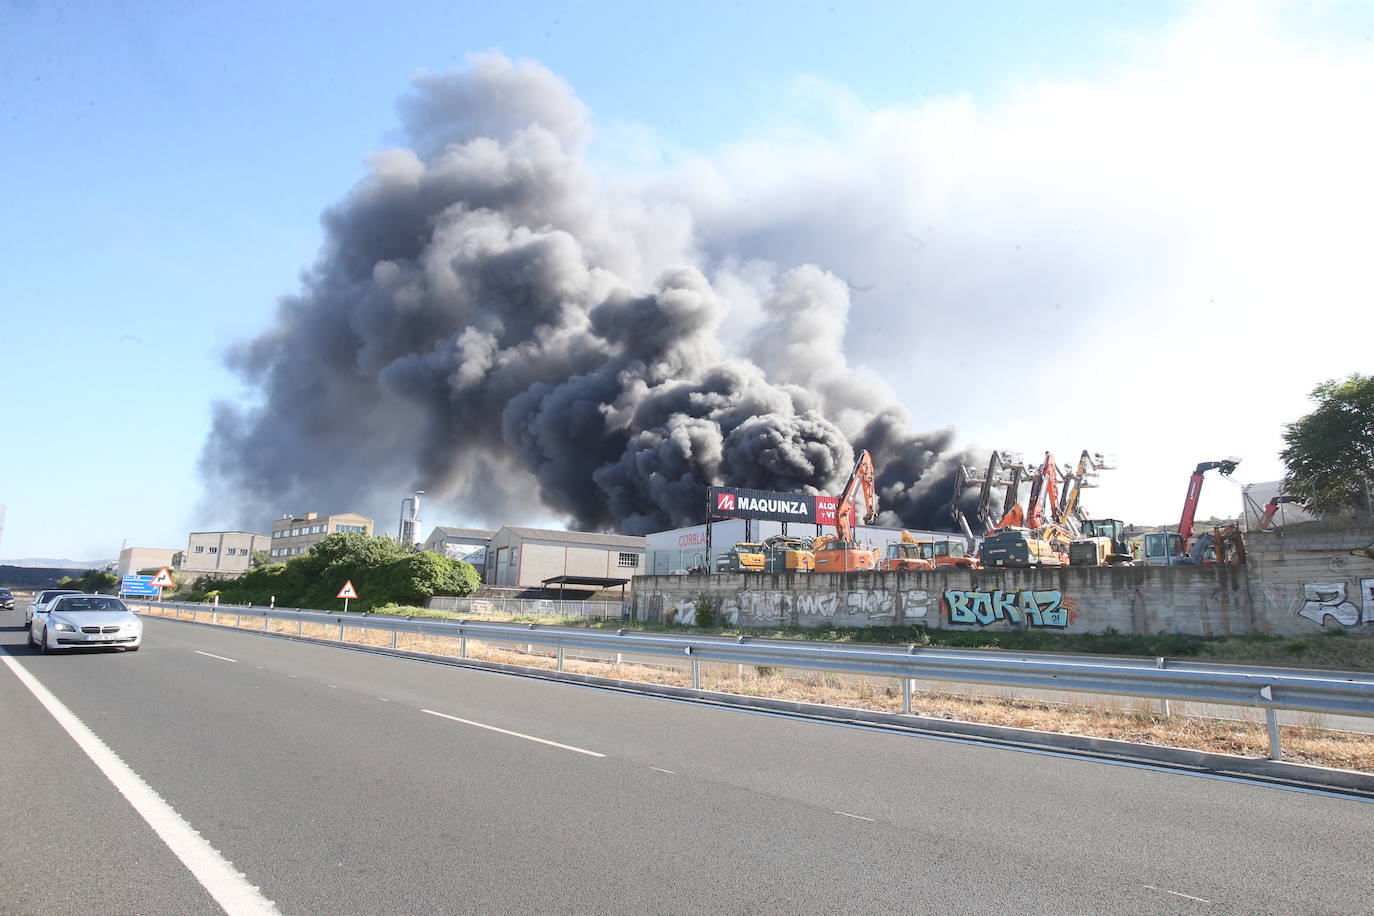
x,y
137,585
164,579
348,591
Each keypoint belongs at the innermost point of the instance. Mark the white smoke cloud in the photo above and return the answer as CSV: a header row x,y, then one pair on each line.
x,y
1160,260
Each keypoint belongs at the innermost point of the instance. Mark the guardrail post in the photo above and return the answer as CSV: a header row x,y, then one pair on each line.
x,y
300,626
214,617
906,696
238,620
462,647
1271,719
1160,663
560,658
341,639
394,634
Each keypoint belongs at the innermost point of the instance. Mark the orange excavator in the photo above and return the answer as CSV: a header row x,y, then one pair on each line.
x,y
842,553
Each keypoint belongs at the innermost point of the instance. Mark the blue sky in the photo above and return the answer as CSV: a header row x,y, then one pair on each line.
x,y
165,167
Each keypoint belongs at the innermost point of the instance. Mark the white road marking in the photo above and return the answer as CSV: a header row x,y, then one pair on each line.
x,y
857,817
1176,893
566,747
661,770
335,686
384,699
213,655
215,873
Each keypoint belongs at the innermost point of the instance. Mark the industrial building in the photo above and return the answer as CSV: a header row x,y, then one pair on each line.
x,y
683,549
571,561
132,559
225,553
466,544
292,535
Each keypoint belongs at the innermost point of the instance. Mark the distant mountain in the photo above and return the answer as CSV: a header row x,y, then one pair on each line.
x,y
52,563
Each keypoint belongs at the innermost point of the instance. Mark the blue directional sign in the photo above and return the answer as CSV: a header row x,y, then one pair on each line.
x,y
137,585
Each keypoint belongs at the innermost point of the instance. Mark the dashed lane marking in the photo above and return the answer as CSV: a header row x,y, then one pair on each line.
x,y
857,817
566,747
213,655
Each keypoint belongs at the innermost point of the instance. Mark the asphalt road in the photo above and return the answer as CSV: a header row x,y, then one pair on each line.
x,y
341,782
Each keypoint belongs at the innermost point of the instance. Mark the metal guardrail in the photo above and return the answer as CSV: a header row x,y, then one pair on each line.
x,y
588,610
1270,689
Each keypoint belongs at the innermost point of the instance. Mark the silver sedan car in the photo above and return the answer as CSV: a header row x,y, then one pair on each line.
x,y
86,621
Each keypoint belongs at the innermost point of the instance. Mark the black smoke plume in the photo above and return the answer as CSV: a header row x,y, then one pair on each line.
x,y
488,322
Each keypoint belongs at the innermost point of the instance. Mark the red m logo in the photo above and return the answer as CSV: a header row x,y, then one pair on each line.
x,y
725,502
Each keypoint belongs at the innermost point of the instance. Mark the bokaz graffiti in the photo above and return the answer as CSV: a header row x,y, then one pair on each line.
x,y
1023,607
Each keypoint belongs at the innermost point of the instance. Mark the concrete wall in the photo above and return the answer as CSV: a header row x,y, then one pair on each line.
x,y
1304,580
1197,599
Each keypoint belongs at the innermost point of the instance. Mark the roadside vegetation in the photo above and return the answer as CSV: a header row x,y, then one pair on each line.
x,y
384,574
92,580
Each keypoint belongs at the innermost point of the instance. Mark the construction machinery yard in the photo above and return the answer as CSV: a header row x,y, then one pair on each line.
x,y
1050,528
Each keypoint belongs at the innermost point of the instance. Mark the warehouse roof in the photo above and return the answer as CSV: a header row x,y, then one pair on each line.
x,y
576,537
448,532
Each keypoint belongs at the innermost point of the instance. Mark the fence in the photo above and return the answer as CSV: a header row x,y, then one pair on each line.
x,y
1269,689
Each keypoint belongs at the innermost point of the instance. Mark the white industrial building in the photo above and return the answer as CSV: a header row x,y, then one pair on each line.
x,y
466,544
225,553
539,558
682,549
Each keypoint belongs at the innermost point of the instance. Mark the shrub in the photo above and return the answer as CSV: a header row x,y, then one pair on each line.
x,y
705,607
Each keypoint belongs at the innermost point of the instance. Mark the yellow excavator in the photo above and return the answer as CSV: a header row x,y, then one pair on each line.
x,y
905,555
842,553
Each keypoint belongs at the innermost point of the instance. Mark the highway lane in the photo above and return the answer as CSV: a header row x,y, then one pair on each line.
x,y
319,774
59,812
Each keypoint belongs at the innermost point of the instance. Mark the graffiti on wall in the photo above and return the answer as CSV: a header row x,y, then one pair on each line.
x,y
1024,606
1323,601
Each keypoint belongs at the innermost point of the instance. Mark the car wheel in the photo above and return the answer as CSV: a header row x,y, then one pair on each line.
x,y
132,648
43,644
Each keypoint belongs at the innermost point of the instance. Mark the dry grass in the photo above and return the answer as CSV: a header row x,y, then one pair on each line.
x,y
1143,724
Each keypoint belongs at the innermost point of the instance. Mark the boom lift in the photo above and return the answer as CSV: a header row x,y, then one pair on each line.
x,y
842,553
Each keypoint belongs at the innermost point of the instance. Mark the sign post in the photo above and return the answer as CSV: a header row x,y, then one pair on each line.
x,y
162,580
348,591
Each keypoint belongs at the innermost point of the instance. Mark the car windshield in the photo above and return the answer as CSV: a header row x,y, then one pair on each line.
x,y
45,597
92,603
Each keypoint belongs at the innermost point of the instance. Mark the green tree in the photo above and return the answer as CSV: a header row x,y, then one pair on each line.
x,y
1330,453
92,580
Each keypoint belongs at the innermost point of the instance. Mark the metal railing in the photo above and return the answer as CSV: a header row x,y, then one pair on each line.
x,y
1269,689
587,610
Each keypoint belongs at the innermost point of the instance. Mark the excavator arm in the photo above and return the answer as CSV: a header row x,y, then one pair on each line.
x,y
860,483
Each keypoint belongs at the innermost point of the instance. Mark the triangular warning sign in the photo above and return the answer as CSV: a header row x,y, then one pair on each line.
x,y
348,591
163,579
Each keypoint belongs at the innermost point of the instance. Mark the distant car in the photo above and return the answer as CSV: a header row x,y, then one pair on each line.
x,y
46,597
6,599
82,621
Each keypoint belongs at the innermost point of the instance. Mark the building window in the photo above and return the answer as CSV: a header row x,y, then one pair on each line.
x,y
358,528
214,550
200,550
629,559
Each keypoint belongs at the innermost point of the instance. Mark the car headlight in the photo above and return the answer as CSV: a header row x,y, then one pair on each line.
x,y
133,627
64,628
